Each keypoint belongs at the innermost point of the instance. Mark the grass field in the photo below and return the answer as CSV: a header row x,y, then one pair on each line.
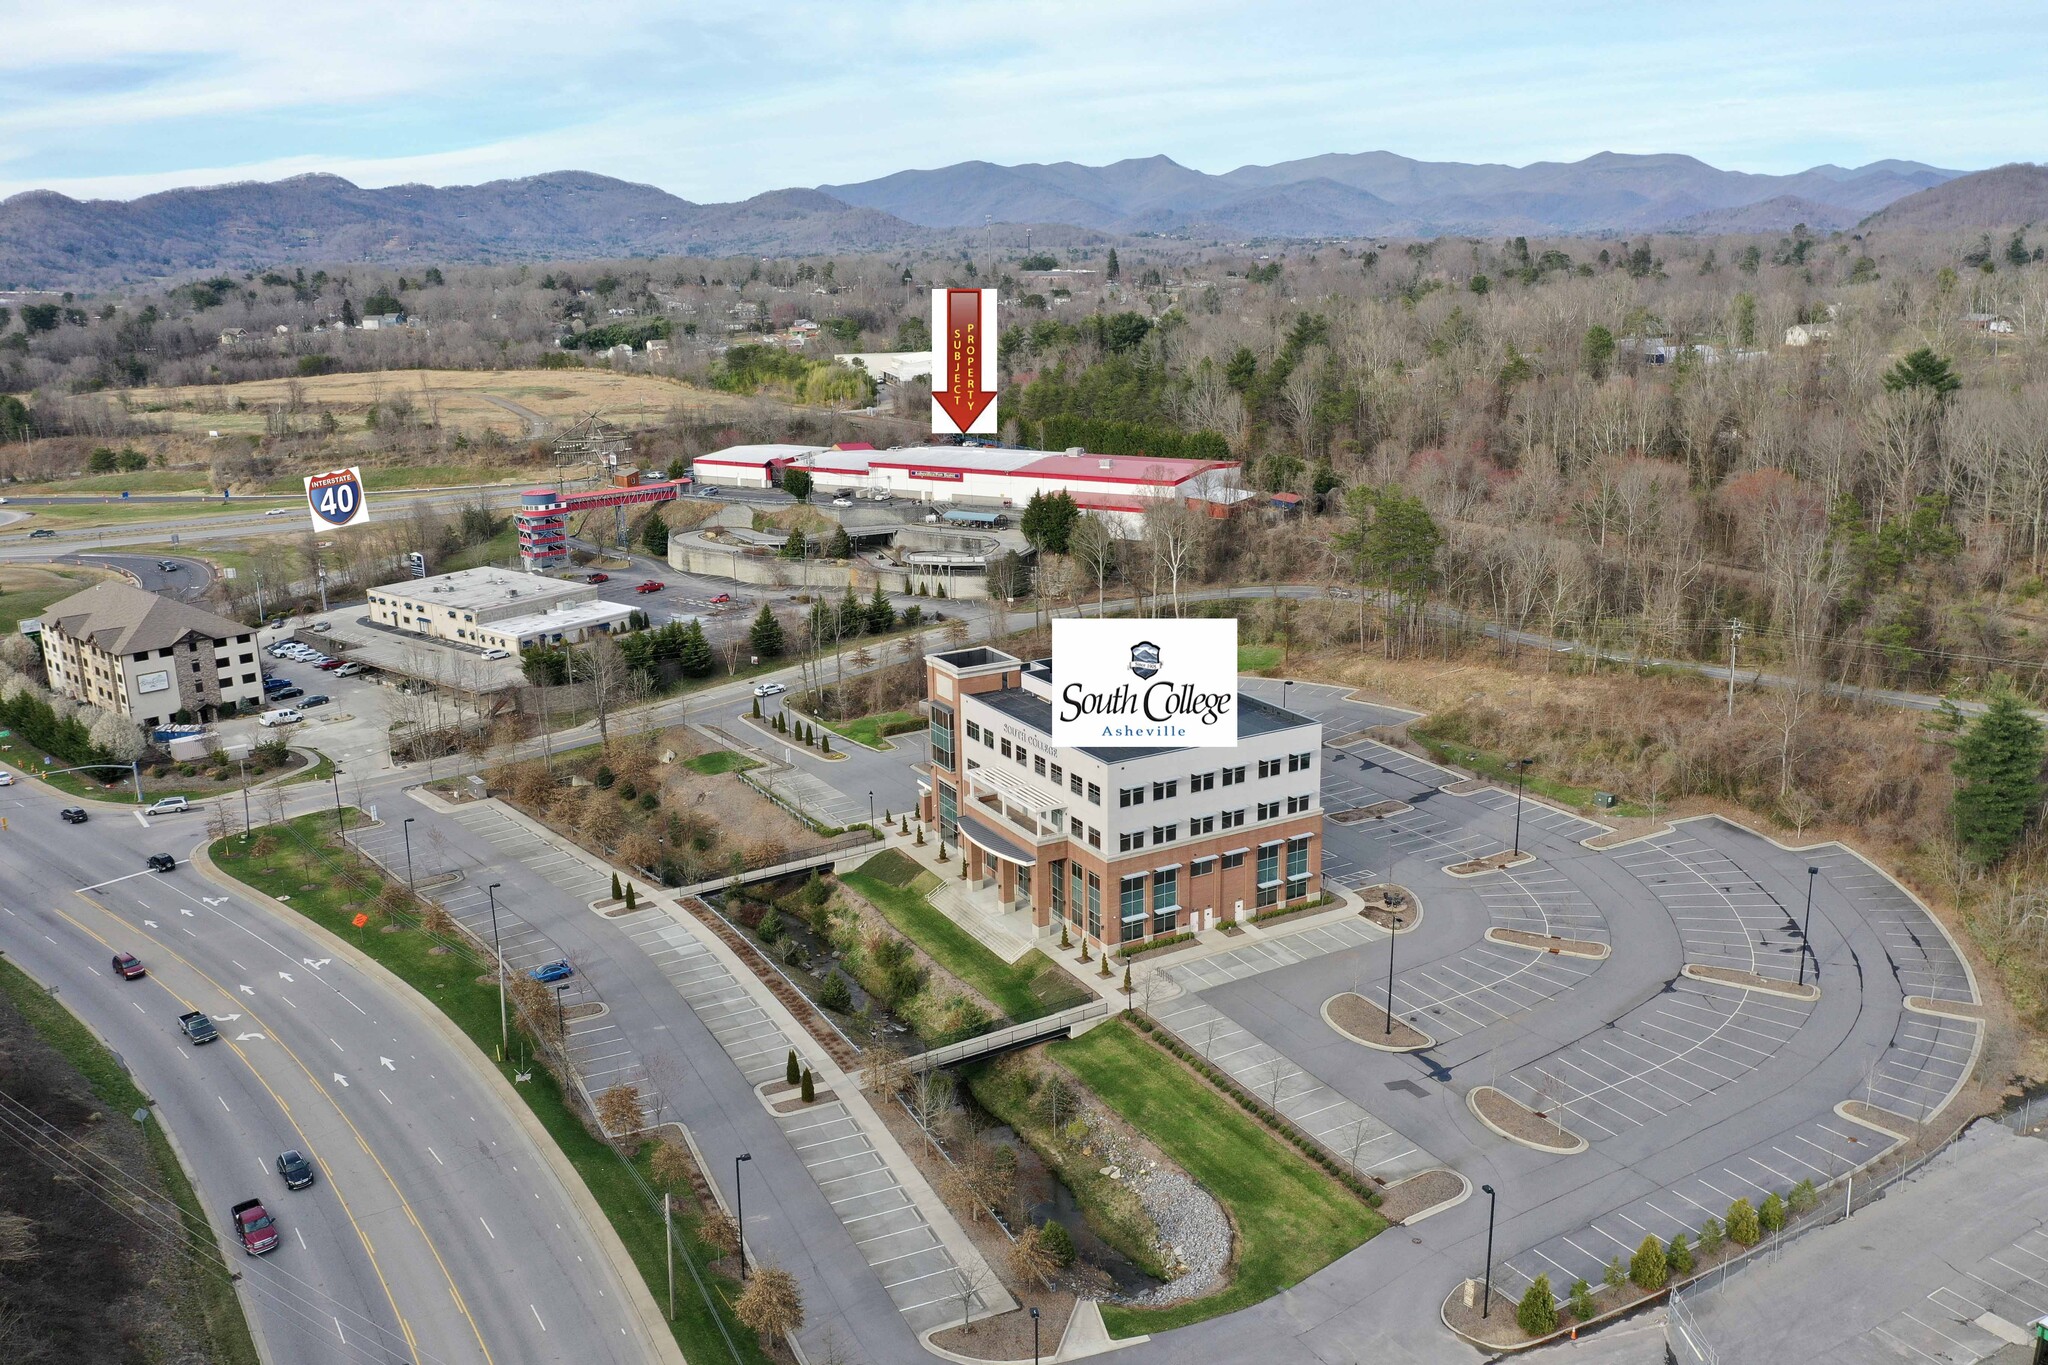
x,y
1292,1219
135,481
1035,985
26,590
868,729
212,1298
1257,658
85,516
450,981
1534,782
719,761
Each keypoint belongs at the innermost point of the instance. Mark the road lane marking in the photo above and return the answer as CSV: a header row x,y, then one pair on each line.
x,y
224,1104
536,1317
487,1227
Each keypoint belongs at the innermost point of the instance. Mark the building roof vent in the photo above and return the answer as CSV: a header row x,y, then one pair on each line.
x,y
1102,464
1075,452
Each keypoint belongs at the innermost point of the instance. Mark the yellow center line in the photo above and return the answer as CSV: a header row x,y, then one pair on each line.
x,y
453,1292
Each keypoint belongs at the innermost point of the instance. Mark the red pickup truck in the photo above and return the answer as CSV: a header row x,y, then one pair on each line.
x,y
254,1226
597,578
651,585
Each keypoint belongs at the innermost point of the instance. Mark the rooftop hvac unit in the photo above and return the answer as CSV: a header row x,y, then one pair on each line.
x,y
1075,452
1102,464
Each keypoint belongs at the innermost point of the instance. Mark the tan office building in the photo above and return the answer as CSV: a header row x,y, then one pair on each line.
x,y
148,657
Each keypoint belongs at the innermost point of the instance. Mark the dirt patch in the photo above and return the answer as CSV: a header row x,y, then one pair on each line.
x,y
1519,1123
1750,981
785,1098
1360,1020
1548,943
1008,1337
1388,903
1955,1009
1467,786
1419,1194
1492,862
1378,810
1625,829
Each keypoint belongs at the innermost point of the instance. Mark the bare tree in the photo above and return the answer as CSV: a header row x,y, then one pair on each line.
x,y
771,1303
971,1282
1096,549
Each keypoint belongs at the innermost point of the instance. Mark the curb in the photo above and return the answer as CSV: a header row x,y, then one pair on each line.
x,y
1472,1103
1556,945
1784,990
1426,1043
660,1342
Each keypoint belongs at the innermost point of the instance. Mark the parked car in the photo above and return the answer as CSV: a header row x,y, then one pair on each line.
x,y
161,862
168,805
322,627
296,1170
317,699
721,599
349,670
128,966
597,578
329,665
286,693
272,686
254,1225
169,565
284,715
557,970
73,815
41,533
198,1027
769,689
651,585
497,654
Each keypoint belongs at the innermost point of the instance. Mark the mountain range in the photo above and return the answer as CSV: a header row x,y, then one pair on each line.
x,y
48,240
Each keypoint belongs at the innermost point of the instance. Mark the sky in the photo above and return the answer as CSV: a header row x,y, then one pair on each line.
x,y
715,102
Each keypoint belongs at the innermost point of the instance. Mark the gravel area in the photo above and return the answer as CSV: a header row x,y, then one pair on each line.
x,y
1193,1227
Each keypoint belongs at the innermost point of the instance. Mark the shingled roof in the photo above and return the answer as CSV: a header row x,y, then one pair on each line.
x,y
121,619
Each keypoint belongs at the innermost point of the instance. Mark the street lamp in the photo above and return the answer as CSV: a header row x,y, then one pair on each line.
x,y
1486,1304
1391,935
1034,1336
871,812
739,1203
1806,930
1521,769
340,825
405,827
504,1030
247,824
561,1024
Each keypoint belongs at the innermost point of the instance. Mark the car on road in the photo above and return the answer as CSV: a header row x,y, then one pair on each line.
x,y
254,1225
350,670
296,1170
198,1027
651,585
317,699
721,599
842,502
73,815
41,533
770,689
168,805
169,565
283,715
128,966
557,970
278,512
707,492
497,654
597,578
161,862
6,778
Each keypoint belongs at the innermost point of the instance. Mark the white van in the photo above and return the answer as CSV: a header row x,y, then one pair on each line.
x,y
168,805
282,716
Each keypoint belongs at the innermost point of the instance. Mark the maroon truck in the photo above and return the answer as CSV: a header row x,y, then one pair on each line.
x,y
254,1226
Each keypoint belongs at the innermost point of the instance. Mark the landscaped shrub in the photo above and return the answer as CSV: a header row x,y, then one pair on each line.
x,y
834,993
770,927
1743,1228
810,1087
1058,1240
1647,1269
1711,1236
617,894
1771,1217
1678,1256
650,801
1615,1276
605,776
1804,1197
1537,1312
627,791
632,897
1582,1301
792,1072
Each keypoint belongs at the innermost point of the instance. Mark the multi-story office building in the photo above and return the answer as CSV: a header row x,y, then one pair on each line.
x,y
1119,843
150,658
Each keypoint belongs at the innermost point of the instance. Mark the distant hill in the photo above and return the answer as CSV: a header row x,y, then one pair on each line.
x,y
48,239
2004,196
1388,194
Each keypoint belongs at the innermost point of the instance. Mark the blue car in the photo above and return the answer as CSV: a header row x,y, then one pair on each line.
x,y
552,971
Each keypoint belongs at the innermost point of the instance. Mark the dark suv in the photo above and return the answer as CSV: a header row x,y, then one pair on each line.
x,y
161,862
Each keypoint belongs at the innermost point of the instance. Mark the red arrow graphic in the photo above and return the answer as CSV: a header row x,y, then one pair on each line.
x,y
963,398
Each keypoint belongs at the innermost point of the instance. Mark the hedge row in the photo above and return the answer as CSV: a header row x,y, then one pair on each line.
x,y
1256,1107
1148,945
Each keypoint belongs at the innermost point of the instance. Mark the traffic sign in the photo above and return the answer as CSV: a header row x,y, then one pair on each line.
x,y
336,499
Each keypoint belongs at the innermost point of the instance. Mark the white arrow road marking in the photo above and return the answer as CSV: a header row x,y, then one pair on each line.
x,y
316,963
228,1018
245,1037
389,1065
183,911
340,1079
245,990
214,900
149,924
284,976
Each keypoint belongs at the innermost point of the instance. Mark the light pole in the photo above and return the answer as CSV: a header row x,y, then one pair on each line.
x,y
1521,769
1034,1336
244,761
1486,1304
739,1204
405,827
1806,930
340,825
504,1030
871,812
1391,935
561,1024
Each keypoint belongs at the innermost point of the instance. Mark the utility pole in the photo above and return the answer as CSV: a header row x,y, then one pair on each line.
x,y
1734,634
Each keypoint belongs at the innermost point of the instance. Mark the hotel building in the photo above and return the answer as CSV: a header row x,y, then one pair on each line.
x,y
1120,844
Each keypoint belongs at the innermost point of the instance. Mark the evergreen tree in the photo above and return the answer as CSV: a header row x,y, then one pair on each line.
x,y
1678,1256
766,634
1537,1312
694,652
1923,370
1113,269
1742,1224
853,617
1770,1215
654,536
1648,1268
839,545
1582,1301
797,483
1998,780
796,547
1598,350
1049,520
881,615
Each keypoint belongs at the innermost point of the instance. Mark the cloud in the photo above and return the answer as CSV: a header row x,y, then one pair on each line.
x,y
131,96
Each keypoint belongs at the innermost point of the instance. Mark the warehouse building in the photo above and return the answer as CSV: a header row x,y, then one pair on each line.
x,y
491,608
1119,844
149,658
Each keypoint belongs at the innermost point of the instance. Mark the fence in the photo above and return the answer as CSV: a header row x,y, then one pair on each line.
x,y
1017,1035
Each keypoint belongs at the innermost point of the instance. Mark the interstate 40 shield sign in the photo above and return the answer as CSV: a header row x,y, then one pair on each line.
x,y
336,499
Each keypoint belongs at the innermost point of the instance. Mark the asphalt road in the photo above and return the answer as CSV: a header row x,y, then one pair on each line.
x,y
438,1231
189,582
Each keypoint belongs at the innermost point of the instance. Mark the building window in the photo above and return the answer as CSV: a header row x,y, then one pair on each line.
x,y
1135,839
1269,810
1058,775
1268,896
1019,755
1162,791
163,654
1094,906
1074,827
1299,763
988,738
1074,784
248,678
1269,767
1269,864
942,735
1201,867
1094,795
248,658
973,733
1165,834
1200,825
1131,907
1006,748
1233,819
1233,776
1233,860
1038,765
949,814
1201,782
1130,796
1165,900
1297,804
1058,887
1094,837
1297,856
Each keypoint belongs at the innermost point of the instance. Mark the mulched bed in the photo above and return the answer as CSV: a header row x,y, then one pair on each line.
x,y
1492,862
795,1001
1550,943
1752,981
1523,1122
1884,1118
1384,903
1961,1009
1008,1337
1400,1202
785,1098
1378,810
1362,1019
